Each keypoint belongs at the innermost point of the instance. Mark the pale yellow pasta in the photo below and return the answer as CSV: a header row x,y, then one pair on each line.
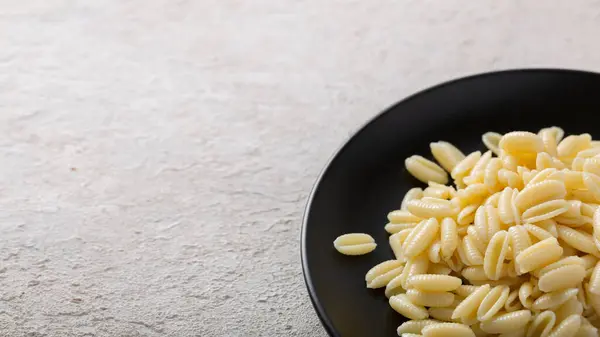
x,y
396,241
520,142
579,240
472,195
430,208
393,228
415,193
592,165
525,295
472,255
420,237
434,252
492,303
442,314
447,330
449,237
551,137
380,275
446,154
415,326
466,290
539,255
354,244
512,302
430,299
545,161
592,183
538,193
495,255
549,226
568,327
478,171
406,308
507,322
439,191
507,209
464,167
414,266
571,145
491,140
566,261
562,278
475,239
468,307
486,222
434,283
545,211
571,307
403,216
425,170
594,286
554,299
587,331
466,215
439,269
573,180
542,324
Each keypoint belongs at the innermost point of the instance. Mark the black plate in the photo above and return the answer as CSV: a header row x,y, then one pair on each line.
x,y
366,177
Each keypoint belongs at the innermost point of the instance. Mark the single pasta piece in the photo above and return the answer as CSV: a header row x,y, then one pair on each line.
x,y
354,244
415,326
430,208
434,283
551,137
571,145
518,142
449,237
571,307
464,167
507,322
468,307
554,299
415,193
430,299
561,278
492,303
592,183
538,193
542,324
492,141
421,237
545,211
526,294
495,255
446,154
406,308
594,286
425,170
539,255
447,330
568,327
380,275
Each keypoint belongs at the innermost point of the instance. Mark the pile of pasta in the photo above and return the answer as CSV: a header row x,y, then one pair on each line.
x,y
511,249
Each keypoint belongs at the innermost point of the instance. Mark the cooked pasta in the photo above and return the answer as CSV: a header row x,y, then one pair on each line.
x,y
510,249
354,244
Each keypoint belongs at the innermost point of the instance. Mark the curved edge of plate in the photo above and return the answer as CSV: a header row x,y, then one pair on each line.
x,y
326,322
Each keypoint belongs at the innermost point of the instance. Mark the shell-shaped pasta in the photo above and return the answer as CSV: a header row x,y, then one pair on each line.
x,y
425,170
433,283
487,222
464,167
507,209
415,326
546,210
538,193
594,285
568,327
421,237
578,239
592,165
439,269
446,154
439,191
402,305
495,255
539,255
518,142
466,290
573,179
566,261
492,303
475,273
551,137
396,241
477,173
535,176
449,237
526,294
380,275
472,194
468,307
430,299
447,330
561,278
549,226
571,307
415,193
473,255
393,228
402,216
554,299
442,314
427,208
394,287
592,183
473,235
354,244
434,252
542,324
571,145
414,266
509,179
545,161
520,239
491,140
537,232
467,215
512,302
507,322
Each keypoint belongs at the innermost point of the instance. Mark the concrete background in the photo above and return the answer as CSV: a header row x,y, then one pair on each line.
x,y
155,155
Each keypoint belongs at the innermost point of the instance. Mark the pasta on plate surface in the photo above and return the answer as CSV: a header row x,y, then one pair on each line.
x,y
501,243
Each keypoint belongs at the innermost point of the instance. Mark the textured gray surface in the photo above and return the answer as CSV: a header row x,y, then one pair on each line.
x,y
155,155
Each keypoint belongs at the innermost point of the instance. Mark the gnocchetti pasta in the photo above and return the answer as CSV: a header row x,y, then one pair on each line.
x,y
500,243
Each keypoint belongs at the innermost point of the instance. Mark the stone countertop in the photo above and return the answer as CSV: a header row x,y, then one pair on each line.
x,y
156,155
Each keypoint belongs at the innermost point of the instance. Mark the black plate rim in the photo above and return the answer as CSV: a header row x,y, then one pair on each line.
x,y
305,268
